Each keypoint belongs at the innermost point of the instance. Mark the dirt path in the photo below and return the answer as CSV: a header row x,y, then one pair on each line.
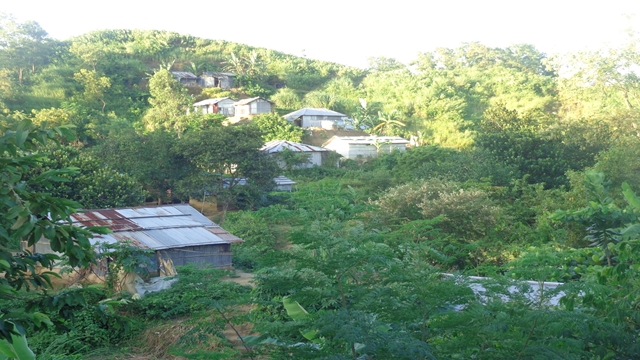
x,y
240,277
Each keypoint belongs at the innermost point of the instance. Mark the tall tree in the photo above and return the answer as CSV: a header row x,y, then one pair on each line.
x,y
169,104
226,162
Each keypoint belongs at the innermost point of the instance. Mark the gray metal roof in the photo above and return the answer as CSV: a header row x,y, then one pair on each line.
x,y
217,74
211,101
283,180
275,146
312,112
250,100
156,227
366,140
184,74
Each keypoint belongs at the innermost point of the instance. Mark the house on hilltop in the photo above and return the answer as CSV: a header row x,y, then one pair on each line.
x,y
352,147
185,78
315,154
317,117
224,106
222,80
252,106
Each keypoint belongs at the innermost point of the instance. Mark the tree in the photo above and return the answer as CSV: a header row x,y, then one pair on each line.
x,y
169,104
30,215
95,185
221,158
22,45
275,127
150,158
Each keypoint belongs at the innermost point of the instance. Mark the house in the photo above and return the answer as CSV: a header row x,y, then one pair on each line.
x,y
185,78
352,147
316,154
177,232
252,106
317,117
220,80
222,106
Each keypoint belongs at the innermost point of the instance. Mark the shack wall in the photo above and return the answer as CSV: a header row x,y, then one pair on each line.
x,y
209,255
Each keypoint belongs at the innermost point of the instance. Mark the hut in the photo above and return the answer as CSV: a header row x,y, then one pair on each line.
x,y
315,154
177,232
252,106
283,183
185,78
352,147
222,80
222,106
318,117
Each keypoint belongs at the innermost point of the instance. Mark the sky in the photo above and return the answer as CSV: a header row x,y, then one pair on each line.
x,y
351,31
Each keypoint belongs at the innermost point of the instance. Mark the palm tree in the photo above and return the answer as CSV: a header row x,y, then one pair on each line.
x,y
387,121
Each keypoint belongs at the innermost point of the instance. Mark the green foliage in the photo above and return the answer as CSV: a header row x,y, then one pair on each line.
x,y
169,103
274,127
193,293
95,186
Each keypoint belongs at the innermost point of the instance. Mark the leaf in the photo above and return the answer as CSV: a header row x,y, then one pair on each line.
x,y
18,349
294,309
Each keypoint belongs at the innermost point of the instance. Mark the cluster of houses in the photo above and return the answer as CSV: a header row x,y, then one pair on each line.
x,y
179,234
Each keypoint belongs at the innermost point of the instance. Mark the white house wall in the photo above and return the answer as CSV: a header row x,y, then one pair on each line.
x,y
352,151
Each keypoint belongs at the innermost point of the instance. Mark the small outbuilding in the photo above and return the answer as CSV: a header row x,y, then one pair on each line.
x,y
185,78
224,106
316,154
283,183
252,106
352,147
177,232
318,117
222,80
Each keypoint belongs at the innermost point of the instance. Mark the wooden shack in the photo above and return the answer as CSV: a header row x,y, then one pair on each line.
x,y
185,78
177,232
316,154
222,80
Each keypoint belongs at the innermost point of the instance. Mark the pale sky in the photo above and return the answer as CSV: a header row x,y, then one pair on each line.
x,y
351,31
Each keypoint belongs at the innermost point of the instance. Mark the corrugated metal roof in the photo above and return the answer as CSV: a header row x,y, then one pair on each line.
x,y
184,74
274,146
156,227
211,101
367,140
217,73
250,100
312,112
283,180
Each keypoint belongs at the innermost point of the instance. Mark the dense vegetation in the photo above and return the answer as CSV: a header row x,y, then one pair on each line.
x,y
524,168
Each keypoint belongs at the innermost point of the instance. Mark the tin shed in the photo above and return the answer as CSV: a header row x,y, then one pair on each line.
x,y
220,80
185,78
352,147
178,232
222,106
316,153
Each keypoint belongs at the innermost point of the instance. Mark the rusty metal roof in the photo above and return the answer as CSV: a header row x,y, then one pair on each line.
x,y
274,146
156,227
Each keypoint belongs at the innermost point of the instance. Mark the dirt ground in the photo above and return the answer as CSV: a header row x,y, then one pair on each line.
x,y
240,277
